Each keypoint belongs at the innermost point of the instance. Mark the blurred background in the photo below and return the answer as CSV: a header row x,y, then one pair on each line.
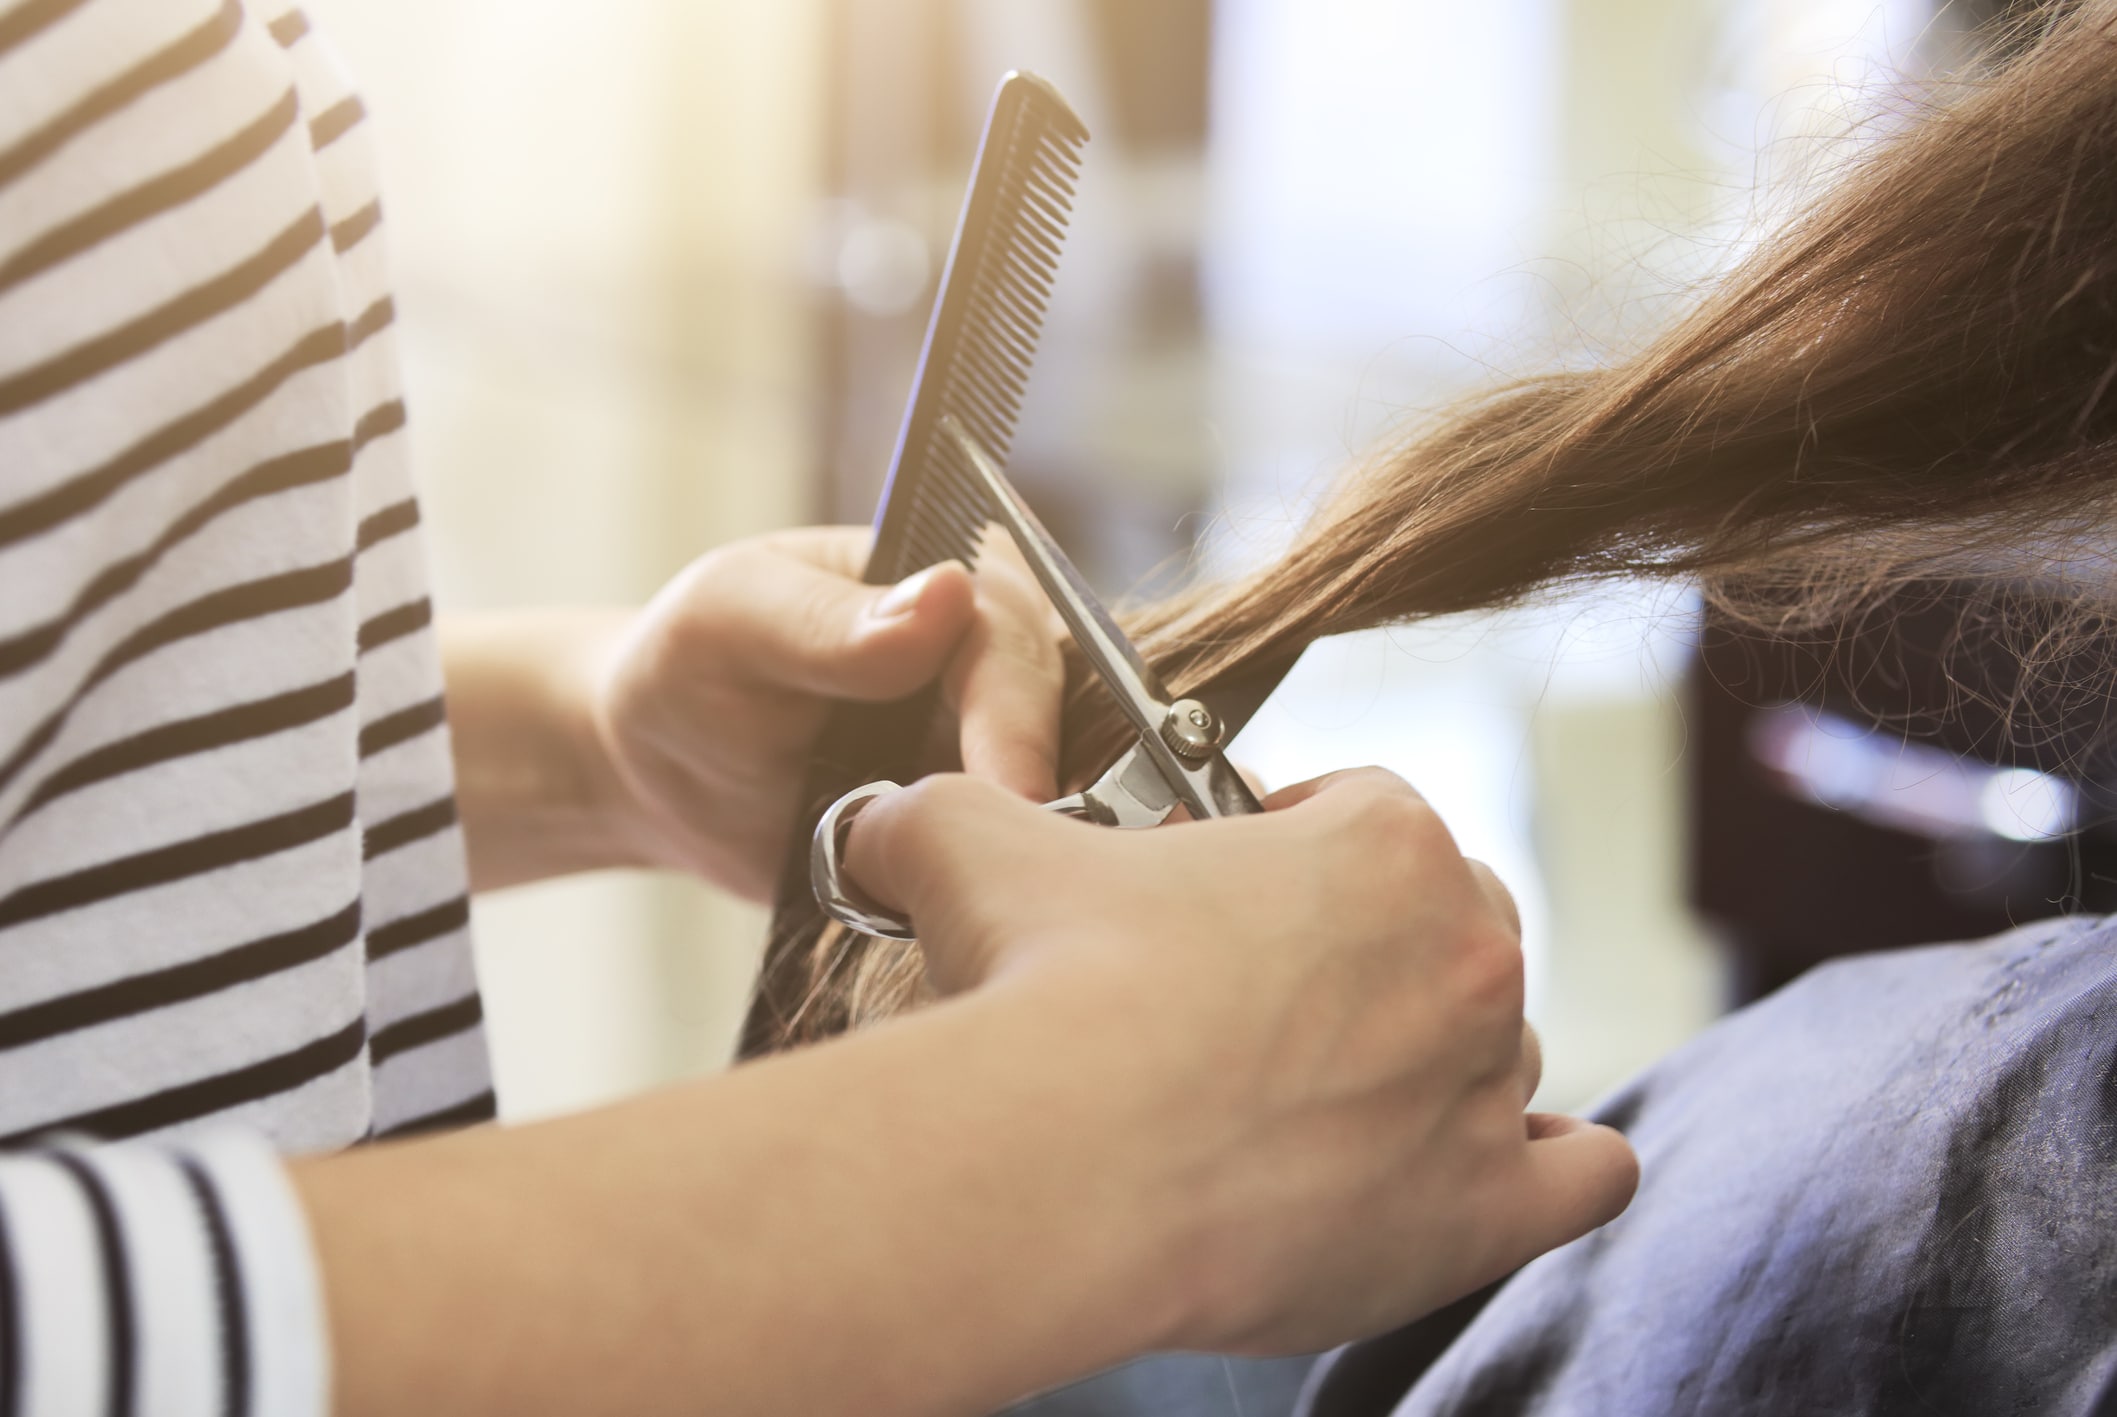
x,y
664,266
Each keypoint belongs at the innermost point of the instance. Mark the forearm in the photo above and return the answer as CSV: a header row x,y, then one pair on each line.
x,y
930,1218
536,790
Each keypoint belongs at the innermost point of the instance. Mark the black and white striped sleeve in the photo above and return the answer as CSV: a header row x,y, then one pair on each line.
x,y
157,1280
232,887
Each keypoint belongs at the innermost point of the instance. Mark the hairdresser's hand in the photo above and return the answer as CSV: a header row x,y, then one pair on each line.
x,y
713,695
1305,1028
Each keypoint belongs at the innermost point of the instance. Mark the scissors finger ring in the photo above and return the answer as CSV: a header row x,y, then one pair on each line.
x,y
843,901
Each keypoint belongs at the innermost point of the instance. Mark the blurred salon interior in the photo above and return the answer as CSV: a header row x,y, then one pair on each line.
x,y
663,270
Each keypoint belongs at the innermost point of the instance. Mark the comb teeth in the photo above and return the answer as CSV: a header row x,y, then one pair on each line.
x,y
948,517
983,335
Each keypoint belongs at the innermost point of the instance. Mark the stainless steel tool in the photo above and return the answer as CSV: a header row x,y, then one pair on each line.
x,y
1178,760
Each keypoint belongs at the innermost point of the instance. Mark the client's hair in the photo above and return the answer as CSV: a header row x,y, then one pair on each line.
x,y
1912,379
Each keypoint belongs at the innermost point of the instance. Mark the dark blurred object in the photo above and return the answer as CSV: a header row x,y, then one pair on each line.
x,y
1113,451
1157,61
897,148
1179,1385
1867,786
1966,29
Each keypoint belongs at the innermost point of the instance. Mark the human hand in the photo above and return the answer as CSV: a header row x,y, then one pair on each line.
x,y
1300,1035
711,699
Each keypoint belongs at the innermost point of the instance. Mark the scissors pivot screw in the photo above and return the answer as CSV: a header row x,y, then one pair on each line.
x,y
1190,730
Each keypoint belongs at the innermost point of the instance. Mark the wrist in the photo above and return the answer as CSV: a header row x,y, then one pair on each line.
x,y
896,1191
1175,1100
1108,1091
1064,1148
539,793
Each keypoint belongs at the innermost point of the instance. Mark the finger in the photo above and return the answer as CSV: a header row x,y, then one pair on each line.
x,y
842,550
1007,680
1496,893
1379,780
1531,1067
908,846
778,619
956,855
1543,1125
1580,1175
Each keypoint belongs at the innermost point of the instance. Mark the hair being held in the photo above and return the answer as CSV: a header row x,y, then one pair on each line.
x,y
1913,379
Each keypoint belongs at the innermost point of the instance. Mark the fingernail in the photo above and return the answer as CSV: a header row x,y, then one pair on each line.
x,y
902,596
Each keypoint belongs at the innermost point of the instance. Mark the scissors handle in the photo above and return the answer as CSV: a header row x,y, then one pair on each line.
x,y
839,898
835,892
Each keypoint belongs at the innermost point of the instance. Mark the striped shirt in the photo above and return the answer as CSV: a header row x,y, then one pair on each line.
x,y
232,893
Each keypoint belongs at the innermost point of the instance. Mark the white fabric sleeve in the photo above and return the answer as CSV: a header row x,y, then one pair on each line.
x,y
171,1279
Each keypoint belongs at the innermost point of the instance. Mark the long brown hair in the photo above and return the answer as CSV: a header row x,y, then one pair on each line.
x,y
1914,377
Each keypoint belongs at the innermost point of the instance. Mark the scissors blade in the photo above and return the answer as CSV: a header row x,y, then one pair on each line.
x,y
1206,784
1134,793
1138,689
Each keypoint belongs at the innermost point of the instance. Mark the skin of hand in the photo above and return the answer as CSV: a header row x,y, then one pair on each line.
x,y
677,735
1249,1085
1320,1007
715,694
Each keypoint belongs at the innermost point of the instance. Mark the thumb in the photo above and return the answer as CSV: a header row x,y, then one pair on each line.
x,y
1580,1175
961,857
799,626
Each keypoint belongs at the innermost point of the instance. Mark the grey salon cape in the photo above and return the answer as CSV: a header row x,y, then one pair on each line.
x,y
1889,1188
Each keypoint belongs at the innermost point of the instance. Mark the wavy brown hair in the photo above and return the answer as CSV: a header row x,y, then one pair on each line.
x,y
1912,378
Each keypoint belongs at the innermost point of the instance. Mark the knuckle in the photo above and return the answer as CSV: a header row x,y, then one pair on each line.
x,y
1383,804
1396,843
818,620
1495,893
841,550
709,593
934,806
908,839
1019,638
1489,969
1532,1061
724,566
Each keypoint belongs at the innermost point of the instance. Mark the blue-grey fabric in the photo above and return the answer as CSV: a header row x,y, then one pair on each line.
x,y
1180,1385
1891,1188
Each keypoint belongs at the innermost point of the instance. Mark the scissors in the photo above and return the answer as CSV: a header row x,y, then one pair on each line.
x,y
1176,762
